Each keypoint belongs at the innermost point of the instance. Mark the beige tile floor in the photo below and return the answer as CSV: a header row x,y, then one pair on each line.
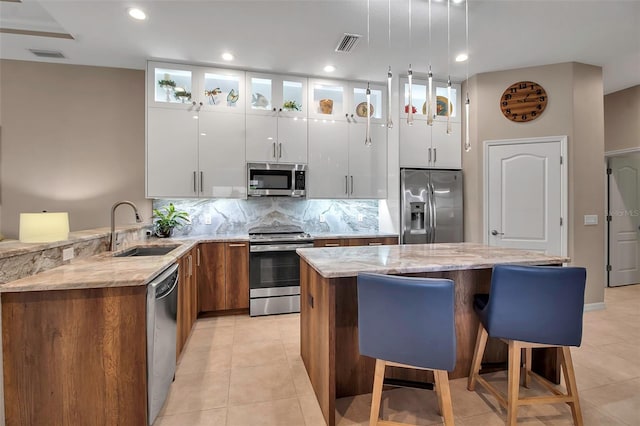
x,y
242,371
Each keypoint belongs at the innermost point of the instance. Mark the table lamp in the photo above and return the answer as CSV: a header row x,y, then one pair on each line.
x,y
44,227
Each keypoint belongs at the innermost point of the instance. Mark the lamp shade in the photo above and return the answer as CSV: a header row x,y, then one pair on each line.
x,y
44,227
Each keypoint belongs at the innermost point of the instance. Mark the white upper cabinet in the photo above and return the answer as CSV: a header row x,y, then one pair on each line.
x,y
191,87
195,132
276,119
340,164
430,146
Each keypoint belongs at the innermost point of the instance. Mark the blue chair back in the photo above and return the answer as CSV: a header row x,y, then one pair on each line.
x,y
538,304
407,320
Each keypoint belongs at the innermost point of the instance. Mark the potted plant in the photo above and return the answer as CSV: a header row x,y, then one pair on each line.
x,y
292,106
168,219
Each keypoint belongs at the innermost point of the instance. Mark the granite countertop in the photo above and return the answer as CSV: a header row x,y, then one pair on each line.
x,y
413,258
101,270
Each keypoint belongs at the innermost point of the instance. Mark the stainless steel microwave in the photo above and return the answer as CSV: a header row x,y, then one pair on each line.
x,y
283,180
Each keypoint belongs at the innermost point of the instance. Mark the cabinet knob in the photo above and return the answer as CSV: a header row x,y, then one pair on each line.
x,y
346,115
280,110
193,103
201,104
274,109
351,115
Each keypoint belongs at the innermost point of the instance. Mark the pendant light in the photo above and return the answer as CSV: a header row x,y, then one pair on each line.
x,y
430,113
467,143
367,136
448,106
410,78
389,78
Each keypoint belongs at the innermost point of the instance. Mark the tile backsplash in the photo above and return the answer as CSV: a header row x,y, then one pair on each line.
x,y
226,216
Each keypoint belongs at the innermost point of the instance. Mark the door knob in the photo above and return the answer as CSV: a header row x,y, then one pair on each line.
x,y
494,232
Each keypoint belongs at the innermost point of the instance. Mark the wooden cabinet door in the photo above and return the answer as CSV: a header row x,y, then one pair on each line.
x,y
329,242
211,277
380,241
193,289
237,275
182,296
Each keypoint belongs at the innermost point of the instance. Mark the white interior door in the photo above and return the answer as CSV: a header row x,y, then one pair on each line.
x,y
524,195
624,211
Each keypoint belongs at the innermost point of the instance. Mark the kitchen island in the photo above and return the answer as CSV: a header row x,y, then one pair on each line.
x,y
329,309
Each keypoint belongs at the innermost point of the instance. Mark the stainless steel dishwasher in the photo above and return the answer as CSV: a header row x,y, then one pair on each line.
x,y
162,306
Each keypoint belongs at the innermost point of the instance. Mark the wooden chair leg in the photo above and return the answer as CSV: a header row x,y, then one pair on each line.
x,y
513,383
444,396
526,378
572,387
376,396
481,343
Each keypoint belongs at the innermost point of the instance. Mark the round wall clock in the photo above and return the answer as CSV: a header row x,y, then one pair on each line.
x,y
523,101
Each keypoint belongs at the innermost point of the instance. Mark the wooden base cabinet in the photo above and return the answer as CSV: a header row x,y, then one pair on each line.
x,y
223,276
341,242
75,357
187,299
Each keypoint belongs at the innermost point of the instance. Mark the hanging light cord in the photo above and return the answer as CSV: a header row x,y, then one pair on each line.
x,y
367,137
389,77
430,113
467,142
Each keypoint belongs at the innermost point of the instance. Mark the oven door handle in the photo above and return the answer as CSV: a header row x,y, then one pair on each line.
x,y
278,247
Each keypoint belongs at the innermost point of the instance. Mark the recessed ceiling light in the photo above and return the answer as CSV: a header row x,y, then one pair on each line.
x,y
138,14
329,68
227,56
462,57
458,1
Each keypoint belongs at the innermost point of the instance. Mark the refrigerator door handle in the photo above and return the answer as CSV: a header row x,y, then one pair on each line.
x,y
433,213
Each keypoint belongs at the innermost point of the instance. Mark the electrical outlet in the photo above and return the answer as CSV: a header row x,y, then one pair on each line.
x,y
360,217
207,219
67,254
321,218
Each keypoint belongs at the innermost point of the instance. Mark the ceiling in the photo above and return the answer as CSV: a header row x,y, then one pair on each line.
x,y
299,36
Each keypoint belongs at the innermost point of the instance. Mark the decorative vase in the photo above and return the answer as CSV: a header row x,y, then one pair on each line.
x,y
326,106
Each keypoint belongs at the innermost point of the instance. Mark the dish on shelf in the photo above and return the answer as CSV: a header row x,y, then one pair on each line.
x,y
361,109
441,105
326,106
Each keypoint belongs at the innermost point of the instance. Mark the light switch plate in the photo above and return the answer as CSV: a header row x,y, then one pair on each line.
x,y
321,218
590,219
207,219
67,254
360,217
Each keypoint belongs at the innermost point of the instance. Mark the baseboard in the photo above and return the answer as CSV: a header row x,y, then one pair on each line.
x,y
599,306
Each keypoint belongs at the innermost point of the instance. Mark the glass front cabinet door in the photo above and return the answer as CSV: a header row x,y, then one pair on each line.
x,y
328,99
222,90
170,85
358,103
284,95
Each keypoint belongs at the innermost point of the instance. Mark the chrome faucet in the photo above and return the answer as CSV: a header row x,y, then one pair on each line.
x,y
114,242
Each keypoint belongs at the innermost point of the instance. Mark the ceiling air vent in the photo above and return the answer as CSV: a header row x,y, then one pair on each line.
x,y
348,42
47,53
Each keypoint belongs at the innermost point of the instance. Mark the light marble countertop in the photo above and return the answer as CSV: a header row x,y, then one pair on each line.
x,y
337,262
102,270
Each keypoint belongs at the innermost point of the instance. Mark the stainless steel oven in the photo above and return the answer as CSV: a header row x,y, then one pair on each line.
x,y
274,269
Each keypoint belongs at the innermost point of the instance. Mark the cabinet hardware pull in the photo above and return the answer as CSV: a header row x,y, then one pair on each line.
x,y
280,110
351,184
346,116
375,244
279,150
346,184
429,160
274,109
201,181
237,245
434,155
274,150
193,103
195,182
332,245
198,256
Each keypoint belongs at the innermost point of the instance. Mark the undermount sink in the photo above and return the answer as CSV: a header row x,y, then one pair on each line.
x,y
146,251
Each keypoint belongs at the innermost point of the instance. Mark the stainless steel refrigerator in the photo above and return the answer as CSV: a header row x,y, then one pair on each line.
x,y
430,206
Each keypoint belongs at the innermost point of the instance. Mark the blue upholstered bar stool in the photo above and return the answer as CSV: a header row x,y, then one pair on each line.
x,y
531,307
407,322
